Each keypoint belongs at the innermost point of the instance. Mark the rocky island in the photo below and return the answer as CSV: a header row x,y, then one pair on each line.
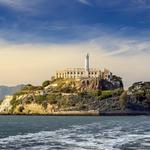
x,y
80,91
79,97
60,95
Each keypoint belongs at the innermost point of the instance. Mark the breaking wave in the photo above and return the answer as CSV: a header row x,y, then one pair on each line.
x,y
83,137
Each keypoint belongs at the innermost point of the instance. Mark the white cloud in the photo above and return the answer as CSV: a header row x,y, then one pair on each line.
x,y
85,2
34,63
13,3
21,5
119,46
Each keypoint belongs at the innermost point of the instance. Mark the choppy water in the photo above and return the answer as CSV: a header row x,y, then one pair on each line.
x,y
74,133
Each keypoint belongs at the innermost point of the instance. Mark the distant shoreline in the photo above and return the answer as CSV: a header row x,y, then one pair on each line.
x,y
82,113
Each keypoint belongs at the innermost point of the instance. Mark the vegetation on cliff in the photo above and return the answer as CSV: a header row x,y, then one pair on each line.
x,y
66,94
138,96
81,95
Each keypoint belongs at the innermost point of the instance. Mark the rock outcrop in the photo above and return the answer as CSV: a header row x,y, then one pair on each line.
x,y
6,106
73,95
138,97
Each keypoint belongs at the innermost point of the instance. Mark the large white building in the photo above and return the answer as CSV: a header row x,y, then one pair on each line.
x,y
85,72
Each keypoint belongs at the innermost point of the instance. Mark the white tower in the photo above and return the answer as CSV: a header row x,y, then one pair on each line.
x,y
87,64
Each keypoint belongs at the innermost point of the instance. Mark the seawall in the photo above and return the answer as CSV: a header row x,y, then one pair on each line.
x,y
83,113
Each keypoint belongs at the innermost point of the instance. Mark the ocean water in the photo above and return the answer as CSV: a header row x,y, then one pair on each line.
x,y
74,133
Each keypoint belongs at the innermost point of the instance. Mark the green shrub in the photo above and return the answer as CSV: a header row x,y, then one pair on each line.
x,y
110,93
31,88
53,98
63,102
20,93
45,83
14,102
95,92
42,100
83,93
68,89
118,92
107,94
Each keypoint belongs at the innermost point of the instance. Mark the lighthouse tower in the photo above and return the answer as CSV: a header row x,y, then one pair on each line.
x,y
87,65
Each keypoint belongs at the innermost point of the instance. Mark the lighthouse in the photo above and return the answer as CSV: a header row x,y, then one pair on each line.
x,y
87,65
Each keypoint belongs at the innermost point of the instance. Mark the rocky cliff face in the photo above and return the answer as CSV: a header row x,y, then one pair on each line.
x,y
138,97
66,95
6,106
84,84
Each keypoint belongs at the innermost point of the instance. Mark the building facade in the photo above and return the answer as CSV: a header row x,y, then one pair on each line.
x,y
86,72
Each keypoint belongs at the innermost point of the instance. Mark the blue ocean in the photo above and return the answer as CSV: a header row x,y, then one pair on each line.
x,y
74,133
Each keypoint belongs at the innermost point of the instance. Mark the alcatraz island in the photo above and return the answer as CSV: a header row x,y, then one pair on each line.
x,y
80,91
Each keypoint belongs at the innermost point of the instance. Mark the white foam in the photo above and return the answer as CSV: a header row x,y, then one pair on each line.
x,y
75,137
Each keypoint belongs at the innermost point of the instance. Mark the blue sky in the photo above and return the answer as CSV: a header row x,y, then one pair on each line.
x,y
58,21
114,32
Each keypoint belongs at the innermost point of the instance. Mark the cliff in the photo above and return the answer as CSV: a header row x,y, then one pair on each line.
x,y
77,95
138,97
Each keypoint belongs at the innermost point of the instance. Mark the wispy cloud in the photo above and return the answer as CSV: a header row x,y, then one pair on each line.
x,y
122,47
21,5
41,61
56,27
85,2
17,4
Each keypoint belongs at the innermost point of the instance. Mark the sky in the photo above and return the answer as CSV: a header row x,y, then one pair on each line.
x,y
38,37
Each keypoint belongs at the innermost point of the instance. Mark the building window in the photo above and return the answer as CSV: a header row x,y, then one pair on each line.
x,y
70,72
87,82
78,73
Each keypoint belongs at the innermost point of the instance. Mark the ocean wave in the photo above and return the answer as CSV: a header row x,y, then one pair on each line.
x,y
82,137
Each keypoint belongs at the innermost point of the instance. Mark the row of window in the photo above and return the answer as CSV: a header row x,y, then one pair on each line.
x,y
75,73
92,73
71,73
